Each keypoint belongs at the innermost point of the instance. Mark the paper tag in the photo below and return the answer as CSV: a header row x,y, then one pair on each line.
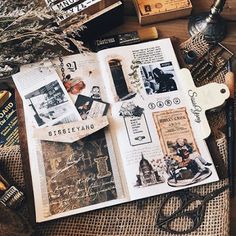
x,y
71,132
201,99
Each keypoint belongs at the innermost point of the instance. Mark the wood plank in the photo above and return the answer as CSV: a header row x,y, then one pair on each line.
x,y
175,28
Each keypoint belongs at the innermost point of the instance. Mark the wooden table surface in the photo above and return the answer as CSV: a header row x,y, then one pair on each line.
x,y
179,28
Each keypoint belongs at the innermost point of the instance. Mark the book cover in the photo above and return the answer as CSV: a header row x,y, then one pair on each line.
x,y
8,121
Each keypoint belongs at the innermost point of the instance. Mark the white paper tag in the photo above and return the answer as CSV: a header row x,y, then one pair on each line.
x,y
71,132
201,99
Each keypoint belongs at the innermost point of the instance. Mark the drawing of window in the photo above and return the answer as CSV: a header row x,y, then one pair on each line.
x,y
118,78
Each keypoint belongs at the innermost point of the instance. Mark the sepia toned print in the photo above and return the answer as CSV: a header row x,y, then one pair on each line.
x,y
184,163
149,172
78,174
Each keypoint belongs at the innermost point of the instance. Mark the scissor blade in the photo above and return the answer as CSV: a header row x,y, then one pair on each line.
x,y
215,193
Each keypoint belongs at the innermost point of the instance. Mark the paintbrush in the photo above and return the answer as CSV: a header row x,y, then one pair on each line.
x,y
229,80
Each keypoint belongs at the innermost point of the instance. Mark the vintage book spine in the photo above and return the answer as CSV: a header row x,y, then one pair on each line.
x,y
4,95
8,123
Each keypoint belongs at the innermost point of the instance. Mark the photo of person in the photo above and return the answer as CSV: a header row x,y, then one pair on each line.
x,y
185,150
89,107
95,93
158,78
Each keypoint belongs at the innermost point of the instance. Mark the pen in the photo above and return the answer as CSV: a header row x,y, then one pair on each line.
x,y
229,80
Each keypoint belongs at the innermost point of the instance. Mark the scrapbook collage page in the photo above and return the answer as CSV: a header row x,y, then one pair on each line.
x,y
159,148
76,168
147,146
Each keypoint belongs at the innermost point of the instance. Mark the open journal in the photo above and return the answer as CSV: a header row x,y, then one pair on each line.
x,y
111,127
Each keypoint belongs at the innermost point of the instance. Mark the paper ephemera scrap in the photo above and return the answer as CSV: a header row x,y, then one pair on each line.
x,y
45,97
78,174
71,132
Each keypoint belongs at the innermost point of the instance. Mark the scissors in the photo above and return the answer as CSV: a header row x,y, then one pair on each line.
x,y
189,213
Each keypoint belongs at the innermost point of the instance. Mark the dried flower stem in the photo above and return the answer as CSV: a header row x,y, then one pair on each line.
x,y
29,33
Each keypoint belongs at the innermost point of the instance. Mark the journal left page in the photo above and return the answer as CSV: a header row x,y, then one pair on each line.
x,y
70,173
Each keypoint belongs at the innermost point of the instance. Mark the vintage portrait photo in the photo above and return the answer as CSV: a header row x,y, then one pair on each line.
x,y
78,174
89,107
158,77
184,163
48,103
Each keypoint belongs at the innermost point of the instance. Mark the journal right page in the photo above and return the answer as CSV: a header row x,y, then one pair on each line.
x,y
156,137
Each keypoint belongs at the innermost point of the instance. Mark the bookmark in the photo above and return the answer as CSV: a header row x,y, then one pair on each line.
x,y
201,99
71,132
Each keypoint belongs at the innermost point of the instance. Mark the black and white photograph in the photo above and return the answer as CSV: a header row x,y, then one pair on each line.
x,y
48,103
158,78
89,107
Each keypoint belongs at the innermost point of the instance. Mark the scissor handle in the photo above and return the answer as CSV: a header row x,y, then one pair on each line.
x,y
185,198
194,217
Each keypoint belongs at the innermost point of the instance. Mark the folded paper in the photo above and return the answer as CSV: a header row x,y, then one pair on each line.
x,y
71,132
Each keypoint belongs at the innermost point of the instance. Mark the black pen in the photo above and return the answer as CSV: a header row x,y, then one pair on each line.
x,y
229,80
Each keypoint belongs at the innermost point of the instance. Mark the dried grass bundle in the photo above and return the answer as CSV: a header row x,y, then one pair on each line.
x,y
29,33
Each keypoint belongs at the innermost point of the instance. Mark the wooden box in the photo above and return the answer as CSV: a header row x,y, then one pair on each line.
x,y
151,11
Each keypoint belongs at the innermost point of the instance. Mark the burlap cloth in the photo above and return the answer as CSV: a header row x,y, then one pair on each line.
x,y
134,218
